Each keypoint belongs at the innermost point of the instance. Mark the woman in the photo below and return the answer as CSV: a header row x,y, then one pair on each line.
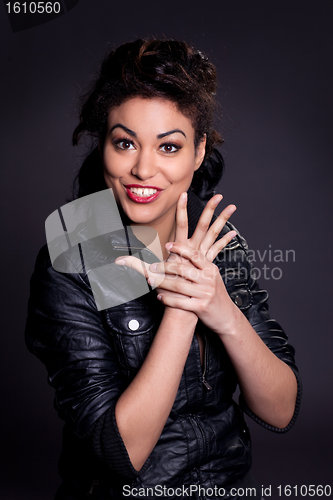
x,y
145,387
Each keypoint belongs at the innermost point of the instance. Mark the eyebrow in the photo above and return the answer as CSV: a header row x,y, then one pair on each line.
x,y
159,136
128,130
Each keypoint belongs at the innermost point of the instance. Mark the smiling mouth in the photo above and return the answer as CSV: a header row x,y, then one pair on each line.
x,y
141,194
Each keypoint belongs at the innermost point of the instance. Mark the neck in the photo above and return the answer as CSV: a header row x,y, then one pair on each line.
x,y
165,232
165,228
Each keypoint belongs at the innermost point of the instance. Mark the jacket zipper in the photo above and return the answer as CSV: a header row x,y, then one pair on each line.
x,y
203,437
204,381
125,247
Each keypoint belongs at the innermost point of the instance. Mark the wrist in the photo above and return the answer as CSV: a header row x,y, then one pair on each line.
x,y
233,322
180,315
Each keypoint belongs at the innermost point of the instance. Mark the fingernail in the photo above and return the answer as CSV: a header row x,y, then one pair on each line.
x,y
217,200
159,297
153,267
232,209
120,262
151,281
184,196
168,246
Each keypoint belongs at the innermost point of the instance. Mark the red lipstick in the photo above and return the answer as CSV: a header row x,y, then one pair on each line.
x,y
142,199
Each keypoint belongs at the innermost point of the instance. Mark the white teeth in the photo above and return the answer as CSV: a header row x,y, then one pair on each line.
x,y
143,191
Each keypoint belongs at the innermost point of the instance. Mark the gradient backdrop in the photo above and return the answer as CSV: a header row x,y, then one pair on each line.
x,y
274,62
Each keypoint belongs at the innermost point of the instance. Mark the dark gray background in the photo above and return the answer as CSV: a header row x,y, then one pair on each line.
x,y
274,62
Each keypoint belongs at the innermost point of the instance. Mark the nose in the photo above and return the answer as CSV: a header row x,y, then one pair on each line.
x,y
145,165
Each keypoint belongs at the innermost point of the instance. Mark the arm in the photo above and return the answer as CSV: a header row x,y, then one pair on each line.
x,y
65,330
268,384
143,408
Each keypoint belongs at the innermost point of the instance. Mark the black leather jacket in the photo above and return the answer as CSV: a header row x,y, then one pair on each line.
x,y
91,356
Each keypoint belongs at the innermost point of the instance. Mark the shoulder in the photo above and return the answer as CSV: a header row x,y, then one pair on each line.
x,y
49,278
57,297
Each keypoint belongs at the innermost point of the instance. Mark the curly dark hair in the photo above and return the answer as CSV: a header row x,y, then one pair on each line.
x,y
167,69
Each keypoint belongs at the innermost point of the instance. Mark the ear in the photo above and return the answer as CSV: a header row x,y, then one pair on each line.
x,y
200,152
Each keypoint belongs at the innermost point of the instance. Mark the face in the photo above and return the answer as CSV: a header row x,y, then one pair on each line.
x,y
149,159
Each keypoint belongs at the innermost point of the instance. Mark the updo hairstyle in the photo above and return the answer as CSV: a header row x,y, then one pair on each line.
x,y
166,69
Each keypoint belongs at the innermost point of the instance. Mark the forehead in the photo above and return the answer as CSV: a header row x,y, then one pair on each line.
x,y
153,116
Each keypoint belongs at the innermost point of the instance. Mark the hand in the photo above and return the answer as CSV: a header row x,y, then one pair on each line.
x,y
203,237
181,235
200,290
188,279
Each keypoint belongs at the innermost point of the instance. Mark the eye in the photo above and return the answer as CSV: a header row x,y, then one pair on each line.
x,y
124,144
170,148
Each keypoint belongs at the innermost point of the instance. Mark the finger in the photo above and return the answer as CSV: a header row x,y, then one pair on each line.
x,y
139,266
171,294
173,270
157,279
216,228
195,256
219,245
182,287
169,268
181,219
185,304
134,263
204,221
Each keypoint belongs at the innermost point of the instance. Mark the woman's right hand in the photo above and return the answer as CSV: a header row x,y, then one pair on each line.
x,y
189,280
202,240
204,237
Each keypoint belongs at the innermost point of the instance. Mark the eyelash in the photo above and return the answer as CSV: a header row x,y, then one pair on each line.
x,y
118,142
177,148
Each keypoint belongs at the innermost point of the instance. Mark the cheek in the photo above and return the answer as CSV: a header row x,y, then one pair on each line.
x,y
112,166
184,170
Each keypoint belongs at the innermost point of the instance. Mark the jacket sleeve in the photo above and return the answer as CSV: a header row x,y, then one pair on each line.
x,y
238,275
65,331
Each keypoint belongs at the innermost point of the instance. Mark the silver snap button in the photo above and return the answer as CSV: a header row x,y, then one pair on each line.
x,y
133,325
238,301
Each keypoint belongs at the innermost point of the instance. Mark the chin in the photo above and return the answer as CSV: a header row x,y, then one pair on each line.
x,y
140,215
141,219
